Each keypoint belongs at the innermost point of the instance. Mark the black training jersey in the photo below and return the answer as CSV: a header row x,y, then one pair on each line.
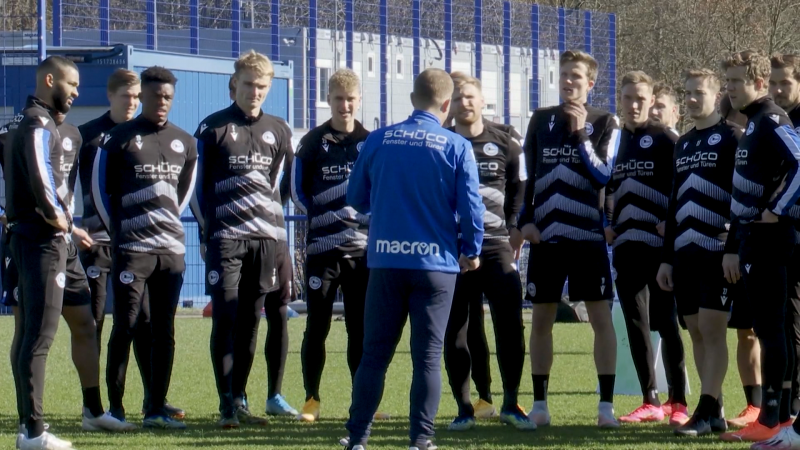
x,y
641,184
35,188
320,175
699,207
5,137
505,128
241,159
502,175
766,174
92,133
567,172
70,142
142,180
794,211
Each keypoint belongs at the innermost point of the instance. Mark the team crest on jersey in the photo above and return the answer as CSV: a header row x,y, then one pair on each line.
x,y
646,142
126,277
359,146
177,146
589,128
314,283
16,293
797,130
268,137
213,277
139,142
66,144
61,280
531,288
92,272
750,128
714,139
490,149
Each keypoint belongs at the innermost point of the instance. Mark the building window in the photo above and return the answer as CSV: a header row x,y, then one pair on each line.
x,y
323,75
552,78
399,69
371,65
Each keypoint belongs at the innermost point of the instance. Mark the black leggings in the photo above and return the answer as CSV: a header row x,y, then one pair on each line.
x,y
324,274
647,308
276,310
499,281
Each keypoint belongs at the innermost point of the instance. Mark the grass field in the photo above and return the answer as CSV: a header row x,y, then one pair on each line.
x,y
572,401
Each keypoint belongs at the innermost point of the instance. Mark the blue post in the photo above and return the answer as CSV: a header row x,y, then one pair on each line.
x,y
151,24
534,86
236,28
312,64
194,27
587,39
275,26
349,29
507,61
612,62
105,18
562,31
478,37
417,35
448,35
384,30
57,22
41,24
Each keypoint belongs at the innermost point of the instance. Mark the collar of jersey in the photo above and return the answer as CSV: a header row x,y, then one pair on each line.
x,y
424,116
36,101
754,108
238,111
147,124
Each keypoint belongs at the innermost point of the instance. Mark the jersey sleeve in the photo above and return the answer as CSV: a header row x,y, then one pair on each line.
x,y
205,140
39,143
3,138
107,160
516,176
668,254
530,155
72,179
600,160
359,183
188,176
787,144
301,175
469,203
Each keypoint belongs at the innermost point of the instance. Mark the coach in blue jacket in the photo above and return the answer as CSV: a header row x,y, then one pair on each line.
x,y
420,183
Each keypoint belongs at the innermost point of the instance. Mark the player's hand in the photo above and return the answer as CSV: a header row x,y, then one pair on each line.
x,y
661,228
664,277
768,217
515,240
466,264
83,239
203,252
610,235
577,116
531,234
730,267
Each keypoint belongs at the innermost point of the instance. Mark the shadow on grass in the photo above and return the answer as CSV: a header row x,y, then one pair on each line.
x,y
288,433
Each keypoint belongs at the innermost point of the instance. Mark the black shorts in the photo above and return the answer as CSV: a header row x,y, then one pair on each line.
x,y
76,289
585,263
283,262
700,283
229,261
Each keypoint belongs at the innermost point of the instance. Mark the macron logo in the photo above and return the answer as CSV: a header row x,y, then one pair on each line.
x,y
407,248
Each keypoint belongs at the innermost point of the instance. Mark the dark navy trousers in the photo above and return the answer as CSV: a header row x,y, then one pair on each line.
x,y
392,296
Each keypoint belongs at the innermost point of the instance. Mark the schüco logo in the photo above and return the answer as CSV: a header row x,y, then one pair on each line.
x,y
336,170
634,165
157,168
256,158
407,248
556,152
697,157
416,134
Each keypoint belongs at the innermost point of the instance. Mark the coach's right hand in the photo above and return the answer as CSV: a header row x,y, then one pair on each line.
x,y
82,238
466,263
531,233
730,266
664,277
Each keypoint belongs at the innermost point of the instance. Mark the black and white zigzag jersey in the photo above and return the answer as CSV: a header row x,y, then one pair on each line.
x,y
241,159
794,211
35,187
502,175
567,172
766,174
320,174
92,134
71,142
143,177
699,207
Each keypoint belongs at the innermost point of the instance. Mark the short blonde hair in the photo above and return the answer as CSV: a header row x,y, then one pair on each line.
x,y
461,79
432,88
636,77
344,79
256,62
756,64
581,57
663,89
122,78
787,61
703,74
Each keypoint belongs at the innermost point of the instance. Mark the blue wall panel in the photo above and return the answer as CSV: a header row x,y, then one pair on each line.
x,y
92,91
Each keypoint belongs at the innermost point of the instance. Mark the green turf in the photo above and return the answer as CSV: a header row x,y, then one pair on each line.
x,y
572,401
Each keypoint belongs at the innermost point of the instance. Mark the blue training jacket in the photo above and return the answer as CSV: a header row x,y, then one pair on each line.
x,y
417,179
